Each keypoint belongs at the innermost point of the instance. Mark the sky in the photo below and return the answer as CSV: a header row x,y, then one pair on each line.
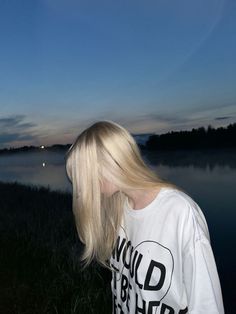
x,y
151,66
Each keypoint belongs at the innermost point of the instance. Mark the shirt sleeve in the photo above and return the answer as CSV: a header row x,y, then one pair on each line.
x,y
200,273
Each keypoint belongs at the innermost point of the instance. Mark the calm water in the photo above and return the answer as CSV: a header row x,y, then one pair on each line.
x,y
209,178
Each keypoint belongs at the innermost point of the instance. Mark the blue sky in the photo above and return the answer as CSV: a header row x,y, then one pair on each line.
x,y
152,66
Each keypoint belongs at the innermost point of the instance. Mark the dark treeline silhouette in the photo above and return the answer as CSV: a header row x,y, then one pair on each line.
x,y
222,137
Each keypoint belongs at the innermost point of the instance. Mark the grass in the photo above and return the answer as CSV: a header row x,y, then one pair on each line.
x,y
39,261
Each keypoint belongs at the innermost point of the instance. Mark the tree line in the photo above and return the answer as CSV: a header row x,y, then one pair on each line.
x,y
222,137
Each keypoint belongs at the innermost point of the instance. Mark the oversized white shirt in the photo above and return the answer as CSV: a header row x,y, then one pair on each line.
x,y
169,266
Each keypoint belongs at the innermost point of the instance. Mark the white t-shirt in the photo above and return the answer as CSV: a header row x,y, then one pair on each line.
x,y
169,266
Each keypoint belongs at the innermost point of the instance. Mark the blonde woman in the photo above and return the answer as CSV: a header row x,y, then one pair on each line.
x,y
150,233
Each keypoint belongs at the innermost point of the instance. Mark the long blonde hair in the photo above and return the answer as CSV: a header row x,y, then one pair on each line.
x,y
104,150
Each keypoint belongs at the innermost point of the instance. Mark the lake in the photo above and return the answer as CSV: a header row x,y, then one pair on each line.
x,y
209,177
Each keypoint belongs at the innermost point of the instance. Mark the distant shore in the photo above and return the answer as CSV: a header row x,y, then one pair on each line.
x,y
36,149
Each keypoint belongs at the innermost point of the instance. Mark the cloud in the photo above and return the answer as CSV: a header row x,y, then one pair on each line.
x,y
13,130
15,122
136,124
151,122
222,118
6,138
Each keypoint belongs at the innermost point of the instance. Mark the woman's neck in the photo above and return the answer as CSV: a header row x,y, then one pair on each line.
x,y
141,198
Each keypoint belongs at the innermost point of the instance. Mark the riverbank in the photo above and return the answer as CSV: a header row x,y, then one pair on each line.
x,y
40,251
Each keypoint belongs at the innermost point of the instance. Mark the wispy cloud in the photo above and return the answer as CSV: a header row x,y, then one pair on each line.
x,y
15,122
223,118
15,130
7,138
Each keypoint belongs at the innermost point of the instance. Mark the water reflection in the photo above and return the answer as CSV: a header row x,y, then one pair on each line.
x,y
205,175
42,168
202,173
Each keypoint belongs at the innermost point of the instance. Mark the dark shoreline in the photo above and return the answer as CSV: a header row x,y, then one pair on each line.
x,y
40,253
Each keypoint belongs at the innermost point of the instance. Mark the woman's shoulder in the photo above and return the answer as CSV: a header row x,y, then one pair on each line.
x,y
184,207
179,198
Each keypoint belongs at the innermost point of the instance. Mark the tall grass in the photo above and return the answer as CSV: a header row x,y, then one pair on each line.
x,y
39,259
